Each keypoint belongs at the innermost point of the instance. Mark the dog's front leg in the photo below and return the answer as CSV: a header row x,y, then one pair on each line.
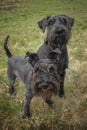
x,y
61,91
27,100
49,102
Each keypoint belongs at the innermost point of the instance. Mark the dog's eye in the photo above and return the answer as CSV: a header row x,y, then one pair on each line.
x,y
51,22
51,69
36,70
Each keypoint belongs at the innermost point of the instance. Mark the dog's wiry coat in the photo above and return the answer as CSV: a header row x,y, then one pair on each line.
x,y
58,33
18,67
39,76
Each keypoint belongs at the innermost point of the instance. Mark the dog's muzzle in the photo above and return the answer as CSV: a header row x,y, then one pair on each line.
x,y
45,89
57,37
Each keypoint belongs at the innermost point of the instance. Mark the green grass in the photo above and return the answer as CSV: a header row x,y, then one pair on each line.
x,y
19,18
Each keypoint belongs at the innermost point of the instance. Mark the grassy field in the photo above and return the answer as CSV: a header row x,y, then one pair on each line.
x,y
19,18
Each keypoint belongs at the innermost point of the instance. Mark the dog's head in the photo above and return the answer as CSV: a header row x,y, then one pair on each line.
x,y
58,29
46,80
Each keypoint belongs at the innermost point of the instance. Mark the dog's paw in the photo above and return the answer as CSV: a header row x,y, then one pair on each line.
x,y
11,91
26,116
61,94
50,103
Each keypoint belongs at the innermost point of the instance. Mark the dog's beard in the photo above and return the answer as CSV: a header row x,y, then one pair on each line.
x,y
52,89
45,93
58,40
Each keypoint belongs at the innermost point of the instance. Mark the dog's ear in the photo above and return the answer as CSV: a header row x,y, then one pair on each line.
x,y
43,23
55,55
32,58
70,21
67,20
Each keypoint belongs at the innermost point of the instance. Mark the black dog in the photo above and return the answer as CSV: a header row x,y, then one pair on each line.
x,y
39,75
58,33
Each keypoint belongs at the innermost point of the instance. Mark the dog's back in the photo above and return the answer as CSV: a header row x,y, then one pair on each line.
x,y
20,67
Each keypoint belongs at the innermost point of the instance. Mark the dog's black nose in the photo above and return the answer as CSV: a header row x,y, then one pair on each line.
x,y
43,85
59,30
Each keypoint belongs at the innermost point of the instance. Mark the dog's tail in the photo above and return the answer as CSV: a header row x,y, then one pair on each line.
x,y
8,53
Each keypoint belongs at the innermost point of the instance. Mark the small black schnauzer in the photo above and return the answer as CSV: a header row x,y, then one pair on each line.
x,y
58,33
39,75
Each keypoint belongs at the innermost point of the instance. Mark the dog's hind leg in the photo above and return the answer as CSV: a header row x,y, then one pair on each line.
x,y
11,79
11,84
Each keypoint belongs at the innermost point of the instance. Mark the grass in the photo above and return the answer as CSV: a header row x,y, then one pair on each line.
x,y
19,18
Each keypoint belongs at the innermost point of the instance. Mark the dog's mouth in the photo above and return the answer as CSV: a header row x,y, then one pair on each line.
x,y
57,40
45,93
45,90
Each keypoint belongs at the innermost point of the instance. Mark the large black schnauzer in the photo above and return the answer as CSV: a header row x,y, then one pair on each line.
x,y
39,76
58,33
